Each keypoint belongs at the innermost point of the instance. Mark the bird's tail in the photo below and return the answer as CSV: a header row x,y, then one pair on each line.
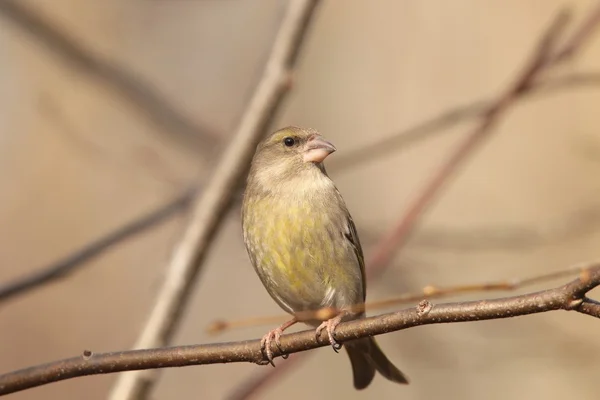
x,y
366,357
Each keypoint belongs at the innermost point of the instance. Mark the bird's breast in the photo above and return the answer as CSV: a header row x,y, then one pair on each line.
x,y
297,249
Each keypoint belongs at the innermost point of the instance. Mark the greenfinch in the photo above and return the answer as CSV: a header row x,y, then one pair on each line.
x,y
304,245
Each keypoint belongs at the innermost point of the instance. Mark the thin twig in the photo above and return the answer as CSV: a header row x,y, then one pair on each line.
x,y
392,241
78,259
544,56
211,208
570,228
142,94
446,119
571,296
427,293
471,241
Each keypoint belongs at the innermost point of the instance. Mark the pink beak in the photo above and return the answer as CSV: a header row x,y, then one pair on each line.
x,y
317,149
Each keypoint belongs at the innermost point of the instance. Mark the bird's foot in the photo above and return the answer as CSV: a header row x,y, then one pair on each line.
x,y
330,325
274,336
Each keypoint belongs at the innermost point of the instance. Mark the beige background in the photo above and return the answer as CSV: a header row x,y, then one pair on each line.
x,y
78,159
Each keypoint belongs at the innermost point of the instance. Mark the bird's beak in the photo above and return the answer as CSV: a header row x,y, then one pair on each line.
x,y
317,149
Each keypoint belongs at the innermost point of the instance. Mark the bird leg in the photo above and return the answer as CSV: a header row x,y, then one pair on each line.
x,y
274,336
331,324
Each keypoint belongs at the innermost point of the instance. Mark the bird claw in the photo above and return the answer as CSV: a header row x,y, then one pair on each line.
x,y
330,325
274,336
266,342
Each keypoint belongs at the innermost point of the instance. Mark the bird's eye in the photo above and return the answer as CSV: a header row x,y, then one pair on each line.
x,y
289,141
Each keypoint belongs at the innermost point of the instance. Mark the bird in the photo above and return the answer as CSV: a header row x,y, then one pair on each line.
x,y
304,246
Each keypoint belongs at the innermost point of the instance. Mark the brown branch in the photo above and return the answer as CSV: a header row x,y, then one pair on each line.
x,y
446,119
571,296
426,293
590,307
545,56
78,259
399,234
569,228
211,208
477,240
150,102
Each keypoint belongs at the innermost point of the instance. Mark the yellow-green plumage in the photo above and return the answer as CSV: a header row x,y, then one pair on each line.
x,y
302,241
292,243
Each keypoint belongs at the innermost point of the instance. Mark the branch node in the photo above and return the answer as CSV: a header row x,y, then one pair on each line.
x,y
87,354
424,307
574,304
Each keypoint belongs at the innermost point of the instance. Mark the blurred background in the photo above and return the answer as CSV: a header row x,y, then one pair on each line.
x,y
110,109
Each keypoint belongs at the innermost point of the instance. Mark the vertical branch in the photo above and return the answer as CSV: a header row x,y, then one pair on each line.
x,y
211,207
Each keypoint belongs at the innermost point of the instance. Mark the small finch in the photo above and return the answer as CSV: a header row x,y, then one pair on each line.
x,y
304,246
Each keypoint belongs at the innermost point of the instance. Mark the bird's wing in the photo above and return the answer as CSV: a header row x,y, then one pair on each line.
x,y
352,235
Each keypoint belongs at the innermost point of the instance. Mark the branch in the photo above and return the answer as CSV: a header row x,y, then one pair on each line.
x,y
571,296
569,228
426,293
77,260
391,242
150,102
446,119
544,56
477,240
210,210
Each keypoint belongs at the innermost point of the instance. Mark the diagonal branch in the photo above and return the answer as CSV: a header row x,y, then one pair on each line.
x,y
142,94
391,144
210,209
78,259
571,296
543,56
546,55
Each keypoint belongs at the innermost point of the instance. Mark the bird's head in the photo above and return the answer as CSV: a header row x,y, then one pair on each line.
x,y
289,152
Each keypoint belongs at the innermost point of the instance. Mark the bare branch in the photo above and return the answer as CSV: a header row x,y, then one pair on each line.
x,y
446,119
567,297
78,259
590,307
546,54
427,293
142,94
211,208
476,240
568,228
580,37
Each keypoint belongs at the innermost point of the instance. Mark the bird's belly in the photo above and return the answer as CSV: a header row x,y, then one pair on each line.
x,y
303,263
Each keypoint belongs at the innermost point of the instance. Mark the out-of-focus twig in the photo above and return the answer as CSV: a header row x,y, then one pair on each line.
x,y
424,130
142,158
569,297
210,209
568,228
150,102
428,292
546,55
78,259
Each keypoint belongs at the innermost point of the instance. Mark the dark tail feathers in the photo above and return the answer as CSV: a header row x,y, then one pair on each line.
x,y
366,357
